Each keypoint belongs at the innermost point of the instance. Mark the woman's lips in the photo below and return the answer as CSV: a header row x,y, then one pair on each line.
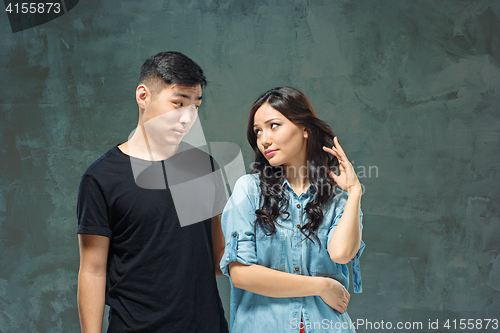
x,y
270,152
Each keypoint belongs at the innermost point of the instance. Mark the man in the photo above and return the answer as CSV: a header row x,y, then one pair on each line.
x,y
155,273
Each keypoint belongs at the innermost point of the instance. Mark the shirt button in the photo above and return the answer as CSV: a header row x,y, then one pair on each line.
x,y
298,226
298,206
296,269
234,235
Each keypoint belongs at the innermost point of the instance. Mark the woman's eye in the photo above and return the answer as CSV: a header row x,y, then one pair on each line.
x,y
178,104
257,132
273,126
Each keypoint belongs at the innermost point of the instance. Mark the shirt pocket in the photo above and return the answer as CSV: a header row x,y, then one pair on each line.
x,y
320,262
271,249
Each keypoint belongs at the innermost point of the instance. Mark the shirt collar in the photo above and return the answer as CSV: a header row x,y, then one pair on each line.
x,y
309,192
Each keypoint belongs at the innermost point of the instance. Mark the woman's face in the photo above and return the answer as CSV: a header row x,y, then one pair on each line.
x,y
278,139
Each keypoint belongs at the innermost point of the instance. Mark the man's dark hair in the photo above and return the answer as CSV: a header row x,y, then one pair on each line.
x,y
171,68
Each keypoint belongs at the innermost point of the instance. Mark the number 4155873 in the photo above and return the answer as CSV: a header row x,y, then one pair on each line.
x,y
34,8
471,324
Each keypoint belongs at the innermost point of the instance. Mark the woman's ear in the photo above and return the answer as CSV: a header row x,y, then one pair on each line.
x,y
306,133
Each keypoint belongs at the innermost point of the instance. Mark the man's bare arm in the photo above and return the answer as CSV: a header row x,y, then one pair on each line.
x,y
92,281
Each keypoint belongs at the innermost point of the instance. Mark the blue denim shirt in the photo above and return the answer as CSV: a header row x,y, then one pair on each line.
x,y
289,251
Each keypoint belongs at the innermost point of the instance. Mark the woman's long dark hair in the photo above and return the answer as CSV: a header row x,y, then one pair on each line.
x,y
295,106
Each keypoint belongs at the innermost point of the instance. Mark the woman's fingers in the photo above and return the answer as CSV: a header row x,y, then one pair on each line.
x,y
333,175
343,305
335,295
337,145
331,151
335,153
347,295
347,175
339,150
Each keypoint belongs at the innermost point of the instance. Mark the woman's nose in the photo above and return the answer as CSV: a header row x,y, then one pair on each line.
x,y
265,140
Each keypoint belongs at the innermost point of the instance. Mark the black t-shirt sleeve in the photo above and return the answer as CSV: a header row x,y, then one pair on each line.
x,y
91,209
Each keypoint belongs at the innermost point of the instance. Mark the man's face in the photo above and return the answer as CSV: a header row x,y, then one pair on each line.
x,y
170,113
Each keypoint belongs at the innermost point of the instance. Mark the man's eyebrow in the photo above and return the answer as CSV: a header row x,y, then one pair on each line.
x,y
267,121
180,94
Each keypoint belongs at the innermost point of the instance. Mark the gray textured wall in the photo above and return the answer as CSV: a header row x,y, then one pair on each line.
x,y
411,87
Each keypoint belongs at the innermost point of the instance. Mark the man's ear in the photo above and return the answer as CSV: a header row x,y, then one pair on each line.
x,y
142,96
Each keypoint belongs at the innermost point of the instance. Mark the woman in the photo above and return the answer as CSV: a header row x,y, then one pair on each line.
x,y
289,230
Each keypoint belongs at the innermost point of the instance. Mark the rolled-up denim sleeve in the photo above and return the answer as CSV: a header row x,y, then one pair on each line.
x,y
237,224
339,203
356,271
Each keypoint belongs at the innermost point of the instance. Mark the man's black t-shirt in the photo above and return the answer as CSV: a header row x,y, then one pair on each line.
x,y
160,276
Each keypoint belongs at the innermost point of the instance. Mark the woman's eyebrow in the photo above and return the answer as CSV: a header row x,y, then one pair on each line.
x,y
267,121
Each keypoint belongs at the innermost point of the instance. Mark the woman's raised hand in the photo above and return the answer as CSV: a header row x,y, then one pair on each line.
x,y
347,180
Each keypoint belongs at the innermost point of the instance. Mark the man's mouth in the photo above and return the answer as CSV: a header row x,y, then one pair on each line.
x,y
179,132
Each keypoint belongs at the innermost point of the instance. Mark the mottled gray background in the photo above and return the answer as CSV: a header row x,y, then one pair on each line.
x,y
411,87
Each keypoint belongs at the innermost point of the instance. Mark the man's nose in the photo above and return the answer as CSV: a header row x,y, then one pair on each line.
x,y
188,114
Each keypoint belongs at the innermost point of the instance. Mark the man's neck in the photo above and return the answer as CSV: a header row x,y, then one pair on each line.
x,y
139,146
